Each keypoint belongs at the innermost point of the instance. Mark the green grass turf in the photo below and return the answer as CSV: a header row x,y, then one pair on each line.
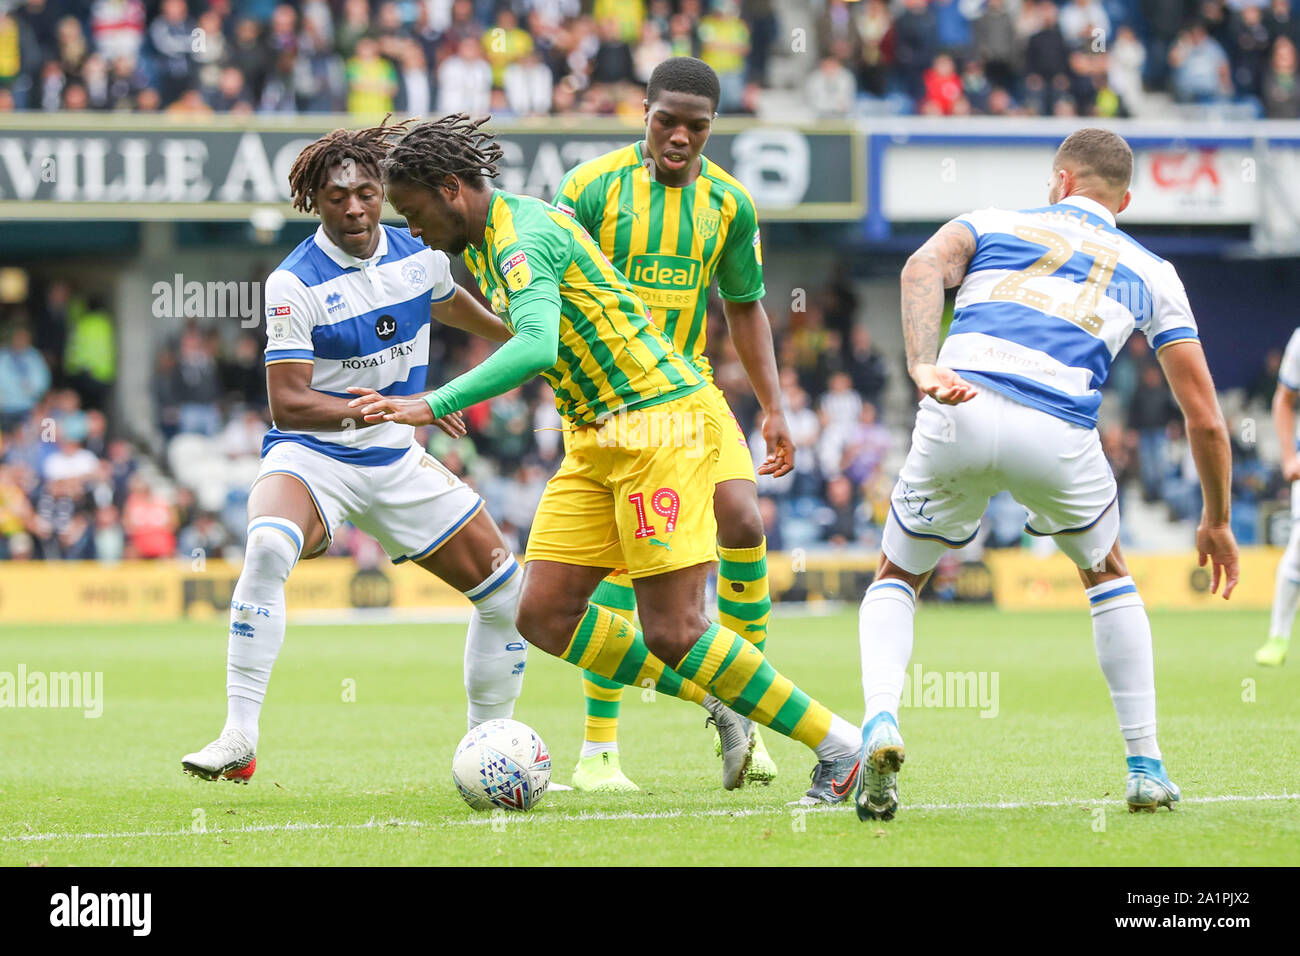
x,y
329,768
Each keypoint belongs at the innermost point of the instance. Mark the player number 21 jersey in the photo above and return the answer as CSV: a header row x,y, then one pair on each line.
x,y
1050,297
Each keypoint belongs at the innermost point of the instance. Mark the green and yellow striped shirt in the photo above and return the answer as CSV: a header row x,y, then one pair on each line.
x,y
670,242
574,318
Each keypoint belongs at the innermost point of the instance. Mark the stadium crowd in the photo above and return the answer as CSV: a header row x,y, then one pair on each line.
x,y
519,58
75,484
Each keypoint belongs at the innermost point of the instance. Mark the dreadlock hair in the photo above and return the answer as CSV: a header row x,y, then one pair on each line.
x,y
684,74
451,146
365,147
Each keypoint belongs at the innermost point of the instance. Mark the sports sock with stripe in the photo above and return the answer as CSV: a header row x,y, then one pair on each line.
x,y
257,614
603,696
731,668
1121,632
1286,589
885,626
495,654
744,602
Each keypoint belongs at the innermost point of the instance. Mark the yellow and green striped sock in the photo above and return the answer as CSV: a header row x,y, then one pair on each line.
x,y
603,695
737,673
611,647
744,602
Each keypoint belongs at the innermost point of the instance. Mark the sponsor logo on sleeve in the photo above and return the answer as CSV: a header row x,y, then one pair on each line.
x,y
758,248
516,272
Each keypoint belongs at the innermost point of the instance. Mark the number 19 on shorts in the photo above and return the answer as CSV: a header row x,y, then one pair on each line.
x,y
665,502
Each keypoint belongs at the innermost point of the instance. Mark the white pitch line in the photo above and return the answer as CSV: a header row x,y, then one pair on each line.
x,y
586,816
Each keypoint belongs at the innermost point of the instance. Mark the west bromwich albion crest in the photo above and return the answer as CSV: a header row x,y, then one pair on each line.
x,y
707,222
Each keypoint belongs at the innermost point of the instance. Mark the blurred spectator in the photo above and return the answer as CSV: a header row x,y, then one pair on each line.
x,y
90,361
613,61
1046,57
1264,383
109,538
1281,92
1085,25
416,94
724,45
831,88
197,386
943,87
651,51
529,86
865,447
1150,413
953,30
625,15
117,27
866,366
372,81
465,80
148,521
71,462
24,378
170,37
994,39
841,405
203,538
1200,68
914,45
505,43
1248,49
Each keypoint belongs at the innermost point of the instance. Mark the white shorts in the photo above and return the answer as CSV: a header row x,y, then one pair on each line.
x,y
964,454
411,507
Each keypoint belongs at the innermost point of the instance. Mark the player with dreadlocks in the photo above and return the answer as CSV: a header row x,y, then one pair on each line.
x,y
643,437
352,303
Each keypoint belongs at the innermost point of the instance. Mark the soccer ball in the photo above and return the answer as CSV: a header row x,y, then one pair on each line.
x,y
501,763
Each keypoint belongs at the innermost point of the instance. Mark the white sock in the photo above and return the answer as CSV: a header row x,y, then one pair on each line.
x,y
1121,633
591,748
494,652
885,640
842,740
1286,591
257,619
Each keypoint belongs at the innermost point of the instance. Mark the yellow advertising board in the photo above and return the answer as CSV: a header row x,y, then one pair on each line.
x,y
39,592
164,591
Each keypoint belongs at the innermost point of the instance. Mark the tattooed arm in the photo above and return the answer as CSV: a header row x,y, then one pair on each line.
x,y
938,265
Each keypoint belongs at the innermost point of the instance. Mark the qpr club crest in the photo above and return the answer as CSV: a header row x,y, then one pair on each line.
x,y
413,275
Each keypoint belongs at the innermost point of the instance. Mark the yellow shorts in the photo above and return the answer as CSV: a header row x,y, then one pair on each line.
x,y
636,491
735,460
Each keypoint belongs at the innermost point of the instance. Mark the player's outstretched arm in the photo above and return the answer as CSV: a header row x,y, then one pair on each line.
x,y
938,265
1284,425
531,350
463,311
1189,377
751,333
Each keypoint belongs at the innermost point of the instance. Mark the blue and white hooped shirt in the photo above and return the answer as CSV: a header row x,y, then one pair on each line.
x,y
358,322
1050,297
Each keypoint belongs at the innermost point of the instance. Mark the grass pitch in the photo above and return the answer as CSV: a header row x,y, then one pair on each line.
x,y
367,780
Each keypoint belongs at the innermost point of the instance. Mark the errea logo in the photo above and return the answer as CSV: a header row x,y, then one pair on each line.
x,y
334,302
74,908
